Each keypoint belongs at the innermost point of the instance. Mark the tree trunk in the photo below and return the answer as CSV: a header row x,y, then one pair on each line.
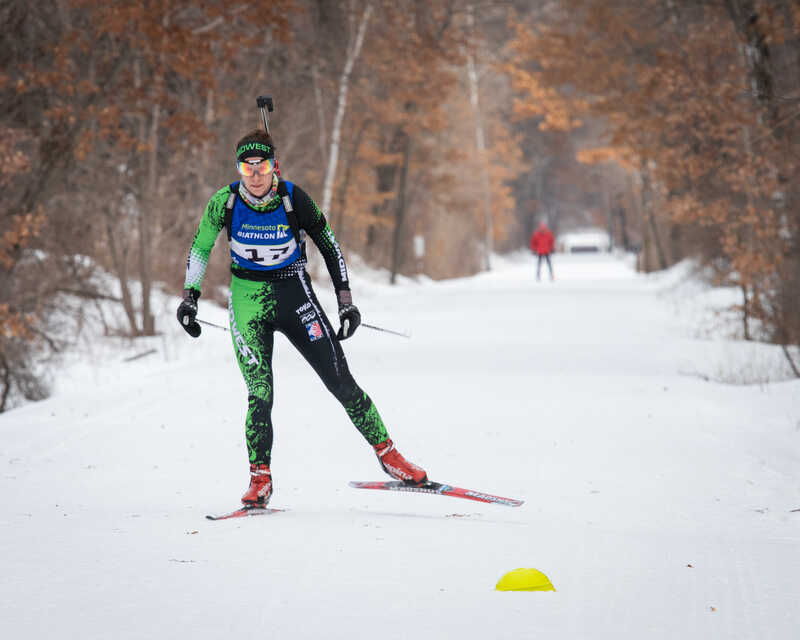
x,y
745,18
745,312
5,374
791,361
319,103
341,103
120,262
337,218
480,143
609,212
208,119
623,228
400,213
150,200
647,209
146,224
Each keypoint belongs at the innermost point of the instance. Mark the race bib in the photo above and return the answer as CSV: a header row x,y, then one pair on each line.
x,y
265,255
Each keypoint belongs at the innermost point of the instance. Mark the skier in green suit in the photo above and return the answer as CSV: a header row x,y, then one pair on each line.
x,y
267,220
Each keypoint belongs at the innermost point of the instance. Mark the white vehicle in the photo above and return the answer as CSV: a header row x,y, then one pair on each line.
x,y
594,240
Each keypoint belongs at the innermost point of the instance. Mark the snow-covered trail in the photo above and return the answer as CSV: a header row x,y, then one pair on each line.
x,y
659,505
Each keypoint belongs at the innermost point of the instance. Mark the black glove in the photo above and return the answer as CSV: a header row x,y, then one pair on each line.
x,y
349,315
187,312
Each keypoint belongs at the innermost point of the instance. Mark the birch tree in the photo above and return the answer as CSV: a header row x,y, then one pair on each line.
x,y
353,51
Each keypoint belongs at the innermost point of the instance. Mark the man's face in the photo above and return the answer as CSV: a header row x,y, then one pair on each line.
x,y
256,174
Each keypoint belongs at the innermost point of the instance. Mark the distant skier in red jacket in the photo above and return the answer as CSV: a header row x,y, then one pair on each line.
x,y
542,244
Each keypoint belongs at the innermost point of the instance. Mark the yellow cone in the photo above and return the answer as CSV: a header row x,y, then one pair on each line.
x,y
525,580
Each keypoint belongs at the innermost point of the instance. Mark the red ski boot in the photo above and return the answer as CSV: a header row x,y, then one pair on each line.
x,y
260,489
397,466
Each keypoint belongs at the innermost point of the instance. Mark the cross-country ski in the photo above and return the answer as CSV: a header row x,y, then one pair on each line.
x,y
436,488
246,512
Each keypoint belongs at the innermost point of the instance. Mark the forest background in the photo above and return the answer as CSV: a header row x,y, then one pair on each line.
x,y
450,124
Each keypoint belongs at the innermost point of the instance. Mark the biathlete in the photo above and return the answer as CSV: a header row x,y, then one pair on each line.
x,y
267,220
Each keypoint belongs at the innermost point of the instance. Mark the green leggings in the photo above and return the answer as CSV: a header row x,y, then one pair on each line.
x,y
257,310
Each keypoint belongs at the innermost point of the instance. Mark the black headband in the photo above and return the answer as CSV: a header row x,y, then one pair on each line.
x,y
254,149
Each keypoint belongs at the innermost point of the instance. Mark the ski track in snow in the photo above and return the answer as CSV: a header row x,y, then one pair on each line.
x,y
659,504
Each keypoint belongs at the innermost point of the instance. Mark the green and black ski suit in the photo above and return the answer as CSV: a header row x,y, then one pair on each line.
x,y
271,291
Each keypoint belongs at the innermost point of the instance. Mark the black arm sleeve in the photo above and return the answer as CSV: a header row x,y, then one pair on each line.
x,y
311,219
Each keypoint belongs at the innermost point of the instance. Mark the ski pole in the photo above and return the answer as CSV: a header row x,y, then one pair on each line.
x,y
211,324
363,324
396,333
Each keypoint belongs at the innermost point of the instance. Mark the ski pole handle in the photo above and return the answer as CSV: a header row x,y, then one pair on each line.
x,y
395,333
